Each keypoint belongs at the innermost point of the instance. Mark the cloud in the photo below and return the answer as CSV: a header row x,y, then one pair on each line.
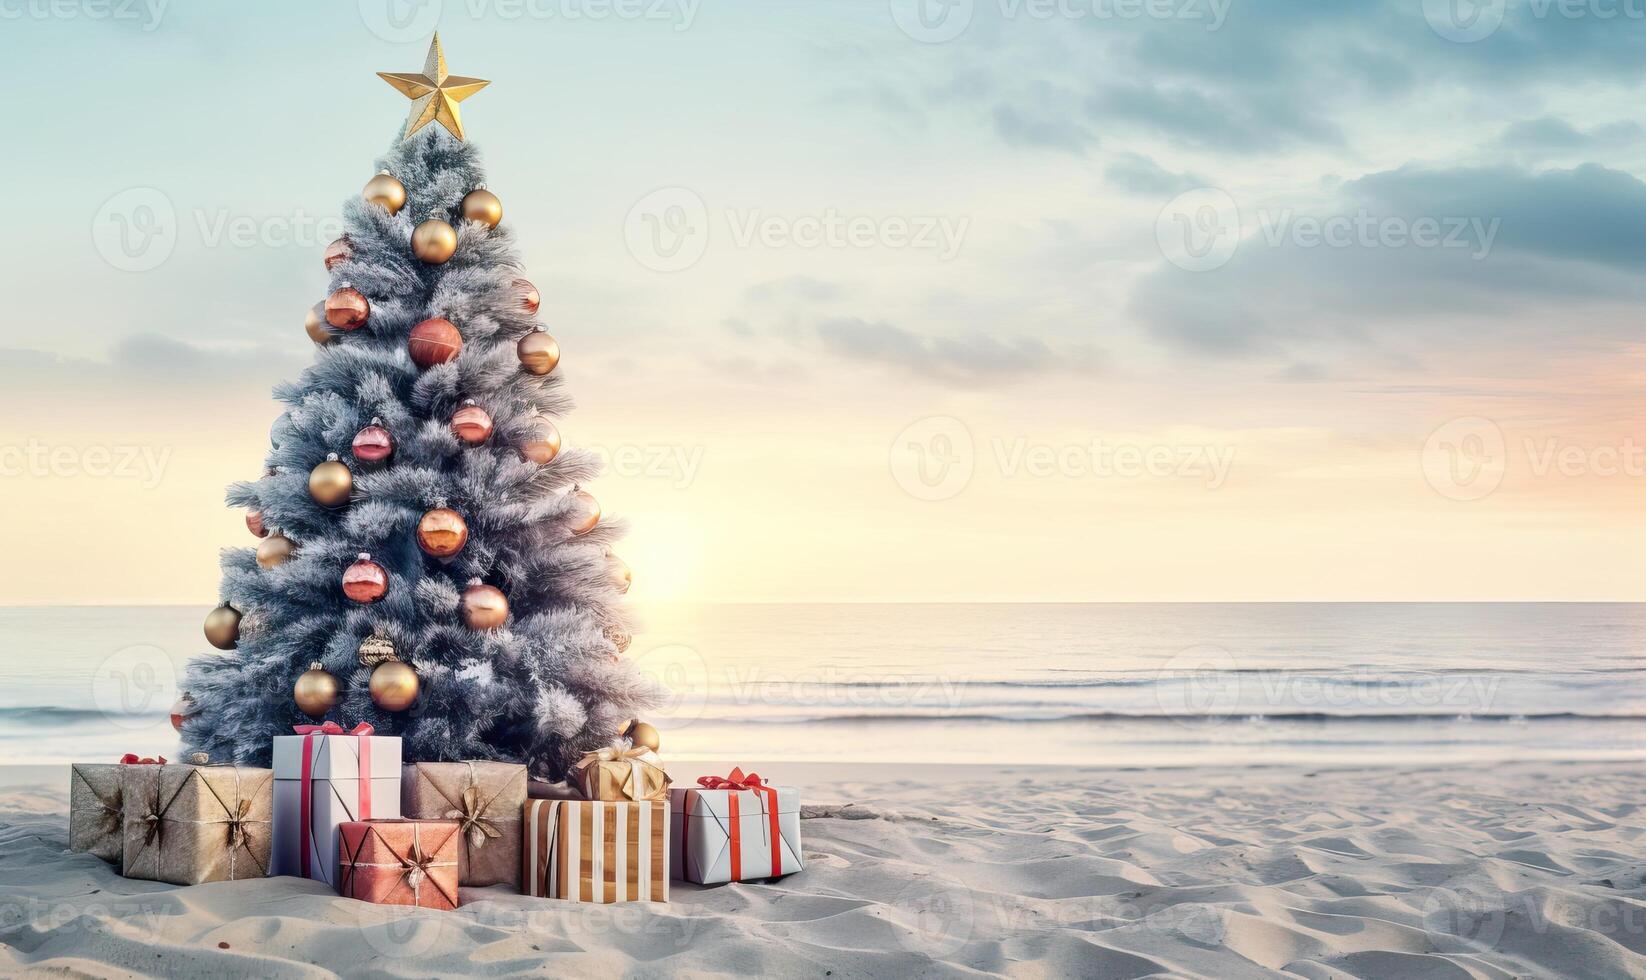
x,y
1138,174
1251,122
1019,129
968,360
1551,133
802,288
1564,240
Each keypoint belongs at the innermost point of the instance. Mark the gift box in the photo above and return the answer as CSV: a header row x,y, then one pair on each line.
x,y
399,862
735,829
187,824
485,798
325,777
95,803
595,851
621,774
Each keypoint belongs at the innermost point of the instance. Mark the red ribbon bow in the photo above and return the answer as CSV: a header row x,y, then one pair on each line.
x,y
130,759
364,731
736,782
732,780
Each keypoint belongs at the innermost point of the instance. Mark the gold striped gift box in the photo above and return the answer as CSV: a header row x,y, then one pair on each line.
x,y
595,851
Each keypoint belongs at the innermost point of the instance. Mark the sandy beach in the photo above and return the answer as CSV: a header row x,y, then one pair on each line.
x,y
1526,870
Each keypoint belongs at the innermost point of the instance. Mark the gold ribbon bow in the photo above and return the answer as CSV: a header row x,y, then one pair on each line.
x,y
470,811
637,756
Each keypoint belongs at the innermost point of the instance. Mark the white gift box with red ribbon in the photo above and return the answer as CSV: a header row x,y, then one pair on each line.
x,y
326,776
735,828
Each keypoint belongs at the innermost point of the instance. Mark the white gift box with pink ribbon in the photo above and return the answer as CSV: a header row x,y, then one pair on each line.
x,y
326,776
734,828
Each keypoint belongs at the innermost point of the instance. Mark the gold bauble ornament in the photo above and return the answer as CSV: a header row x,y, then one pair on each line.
x,y
622,574
376,649
585,512
483,206
435,92
434,241
485,607
539,352
394,686
543,445
274,550
223,627
330,483
642,734
314,324
385,192
315,691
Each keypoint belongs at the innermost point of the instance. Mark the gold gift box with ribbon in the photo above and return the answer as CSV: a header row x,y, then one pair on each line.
x,y
485,799
621,774
188,824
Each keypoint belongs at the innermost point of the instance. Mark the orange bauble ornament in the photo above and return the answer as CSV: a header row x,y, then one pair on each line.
x,y
442,532
530,299
622,575
434,241
314,324
434,341
365,581
337,253
347,309
585,513
223,627
472,424
543,445
485,607
274,550
539,352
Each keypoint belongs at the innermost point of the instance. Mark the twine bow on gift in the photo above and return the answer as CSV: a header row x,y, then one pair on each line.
x,y
638,758
470,812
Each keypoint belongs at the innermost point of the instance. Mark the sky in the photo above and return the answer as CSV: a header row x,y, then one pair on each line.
x,y
919,300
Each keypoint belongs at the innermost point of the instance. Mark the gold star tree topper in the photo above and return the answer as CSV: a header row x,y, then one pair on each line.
x,y
434,93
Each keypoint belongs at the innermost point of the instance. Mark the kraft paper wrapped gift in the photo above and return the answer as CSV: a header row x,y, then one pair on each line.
x,y
485,798
734,829
324,777
188,824
400,862
594,851
620,773
94,809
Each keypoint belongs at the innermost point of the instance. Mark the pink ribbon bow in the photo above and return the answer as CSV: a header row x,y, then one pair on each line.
x,y
130,759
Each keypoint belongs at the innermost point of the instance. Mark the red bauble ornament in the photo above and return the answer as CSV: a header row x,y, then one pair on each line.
x,y
434,341
485,607
181,710
529,298
347,309
373,444
442,532
365,581
254,523
337,253
472,424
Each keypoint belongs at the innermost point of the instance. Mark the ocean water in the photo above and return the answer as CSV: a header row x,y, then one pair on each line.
x,y
1107,684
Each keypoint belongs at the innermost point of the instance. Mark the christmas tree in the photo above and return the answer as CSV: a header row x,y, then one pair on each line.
x,y
428,562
